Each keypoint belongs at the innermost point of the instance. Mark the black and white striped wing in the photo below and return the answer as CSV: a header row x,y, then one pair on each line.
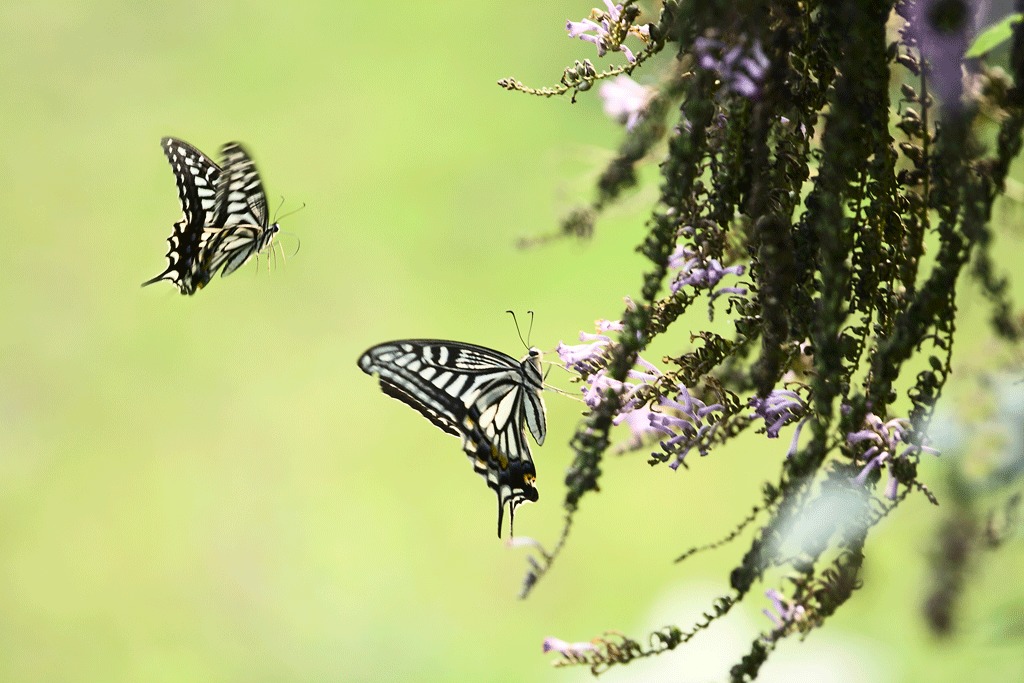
x,y
241,217
483,396
240,198
197,177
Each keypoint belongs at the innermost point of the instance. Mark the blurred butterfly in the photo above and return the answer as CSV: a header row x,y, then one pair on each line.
x,y
481,395
224,215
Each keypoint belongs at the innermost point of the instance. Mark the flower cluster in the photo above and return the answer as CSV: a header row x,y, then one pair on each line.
x,y
741,69
687,421
608,30
777,409
885,438
699,274
689,425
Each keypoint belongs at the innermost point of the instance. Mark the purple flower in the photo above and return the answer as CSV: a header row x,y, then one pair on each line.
x,y
598,385
583,358
785,612
778,408
552,644
638,419
693,272
740,68
884,439
685,425
605,30
625,100
589,357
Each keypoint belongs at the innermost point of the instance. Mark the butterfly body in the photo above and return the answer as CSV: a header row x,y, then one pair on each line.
x,y
224,215
483,396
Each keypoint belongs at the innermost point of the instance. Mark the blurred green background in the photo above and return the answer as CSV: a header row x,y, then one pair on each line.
x,y
208,488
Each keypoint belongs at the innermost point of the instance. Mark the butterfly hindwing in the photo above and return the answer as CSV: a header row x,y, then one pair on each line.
x,y
484,396
197,179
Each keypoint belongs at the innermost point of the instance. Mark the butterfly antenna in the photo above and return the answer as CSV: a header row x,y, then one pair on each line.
x,y
516,321
292,213
278,209
529,332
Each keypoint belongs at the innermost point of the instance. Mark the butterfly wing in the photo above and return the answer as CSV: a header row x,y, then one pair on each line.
x,y
240,198
241,216
479,394
197,177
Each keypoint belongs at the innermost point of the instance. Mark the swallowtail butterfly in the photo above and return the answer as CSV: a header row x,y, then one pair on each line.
x,y
224,221
197,178
478,394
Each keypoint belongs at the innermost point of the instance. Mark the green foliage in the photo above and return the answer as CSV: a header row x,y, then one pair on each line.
x,y
993,36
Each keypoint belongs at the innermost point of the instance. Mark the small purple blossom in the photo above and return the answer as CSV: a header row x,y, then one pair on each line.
x,y
685,425
587,358
885,439
777,409
598,385
604,30
693,272
783,612
552,644
639,421
625,100
740,68
583,358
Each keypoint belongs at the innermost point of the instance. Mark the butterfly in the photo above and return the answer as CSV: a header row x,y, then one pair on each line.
x,y
481,395
224,215
197,177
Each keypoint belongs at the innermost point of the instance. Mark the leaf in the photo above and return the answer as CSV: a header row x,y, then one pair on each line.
x,y
994,36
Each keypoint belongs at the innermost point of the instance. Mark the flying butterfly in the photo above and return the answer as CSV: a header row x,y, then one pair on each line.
x,y
240,225
224,221
481,395
197,177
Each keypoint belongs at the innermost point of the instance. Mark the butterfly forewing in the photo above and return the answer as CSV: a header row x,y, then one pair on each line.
x,y
197,179
241,214
479,394
240,198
